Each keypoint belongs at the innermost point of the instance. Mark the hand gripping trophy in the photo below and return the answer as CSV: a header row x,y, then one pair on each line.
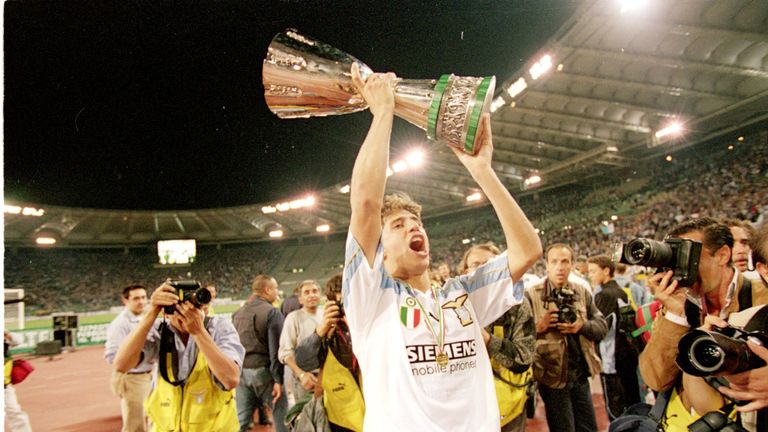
x,y
304,78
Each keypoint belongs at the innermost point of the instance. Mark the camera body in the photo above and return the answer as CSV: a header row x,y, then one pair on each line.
x,y
676,254
191,291
564,299
721,351
714,421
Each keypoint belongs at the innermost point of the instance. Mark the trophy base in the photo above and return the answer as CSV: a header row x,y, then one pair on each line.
x,y
456,108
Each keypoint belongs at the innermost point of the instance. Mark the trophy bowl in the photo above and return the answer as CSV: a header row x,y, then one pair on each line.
x,y
304,77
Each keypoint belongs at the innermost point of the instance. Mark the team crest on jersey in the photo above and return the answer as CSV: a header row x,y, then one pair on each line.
x,y
410,313
461,311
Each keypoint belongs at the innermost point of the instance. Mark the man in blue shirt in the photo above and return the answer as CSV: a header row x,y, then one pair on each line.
x,y
133,386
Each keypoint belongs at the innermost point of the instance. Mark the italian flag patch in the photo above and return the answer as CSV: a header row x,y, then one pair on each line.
x,y
410,315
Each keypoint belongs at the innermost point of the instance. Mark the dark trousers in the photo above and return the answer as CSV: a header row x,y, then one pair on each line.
x,y
569,409
621,391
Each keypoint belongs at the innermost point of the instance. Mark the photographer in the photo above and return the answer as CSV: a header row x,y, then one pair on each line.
x,y
329,348
567,325
716,291
194,392
752,386
510,343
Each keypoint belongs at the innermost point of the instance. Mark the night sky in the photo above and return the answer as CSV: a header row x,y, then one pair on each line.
x,y
159,104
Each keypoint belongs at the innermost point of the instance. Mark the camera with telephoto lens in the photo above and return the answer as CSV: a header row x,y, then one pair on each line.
x,y
676,254
564,298
723,350
191,291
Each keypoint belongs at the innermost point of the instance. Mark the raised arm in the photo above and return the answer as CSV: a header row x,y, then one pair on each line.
x,y
369,175
523,244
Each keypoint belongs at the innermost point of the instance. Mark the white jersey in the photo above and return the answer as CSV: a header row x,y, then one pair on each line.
x,y
404,387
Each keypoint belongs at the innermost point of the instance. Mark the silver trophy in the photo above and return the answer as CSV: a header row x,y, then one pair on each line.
x,y
304,78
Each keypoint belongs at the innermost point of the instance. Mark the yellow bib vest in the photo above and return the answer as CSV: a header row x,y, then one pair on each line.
x,y
199,405
7,371
511,388
342,397
677,418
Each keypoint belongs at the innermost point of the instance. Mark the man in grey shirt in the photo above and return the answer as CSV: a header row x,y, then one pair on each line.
x,y
298,325
133,386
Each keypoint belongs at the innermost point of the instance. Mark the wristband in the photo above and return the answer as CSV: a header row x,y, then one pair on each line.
x,y
677,319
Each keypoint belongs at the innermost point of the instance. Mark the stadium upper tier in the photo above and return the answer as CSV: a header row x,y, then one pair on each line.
x,y
718,179
614,88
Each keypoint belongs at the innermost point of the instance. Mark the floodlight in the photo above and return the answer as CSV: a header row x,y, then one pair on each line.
x,y
517,87
497,103
674,128
614,218
11,209
323,228
399,166
466,241
741,138
477,196
631,5
668,158
532,180
415,158
344,189
276,234
25,211
268,209
540,67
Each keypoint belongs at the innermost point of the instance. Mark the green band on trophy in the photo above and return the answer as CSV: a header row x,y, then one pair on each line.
x,y
435,107
477,111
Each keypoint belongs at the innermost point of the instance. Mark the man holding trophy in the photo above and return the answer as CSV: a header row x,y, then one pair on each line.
x,y
420,345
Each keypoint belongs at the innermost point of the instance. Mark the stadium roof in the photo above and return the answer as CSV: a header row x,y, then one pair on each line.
x,y
619,77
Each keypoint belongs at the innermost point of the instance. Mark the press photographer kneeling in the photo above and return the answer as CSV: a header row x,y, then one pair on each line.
x,y
200,360
700,280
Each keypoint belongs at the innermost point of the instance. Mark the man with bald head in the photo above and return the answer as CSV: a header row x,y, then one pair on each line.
x,y
259,325
565,356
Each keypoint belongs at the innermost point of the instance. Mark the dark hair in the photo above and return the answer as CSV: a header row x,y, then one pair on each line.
x,y
333,286
603,261
127,290
620,268
733,222
759,245
555,246
716,233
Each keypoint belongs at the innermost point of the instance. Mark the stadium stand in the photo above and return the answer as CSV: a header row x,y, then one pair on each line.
x,y
701,181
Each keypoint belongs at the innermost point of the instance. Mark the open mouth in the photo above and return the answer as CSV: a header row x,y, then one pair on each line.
x,y
418,244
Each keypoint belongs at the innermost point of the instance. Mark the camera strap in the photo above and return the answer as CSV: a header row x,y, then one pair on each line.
x,y
169,357
745,293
